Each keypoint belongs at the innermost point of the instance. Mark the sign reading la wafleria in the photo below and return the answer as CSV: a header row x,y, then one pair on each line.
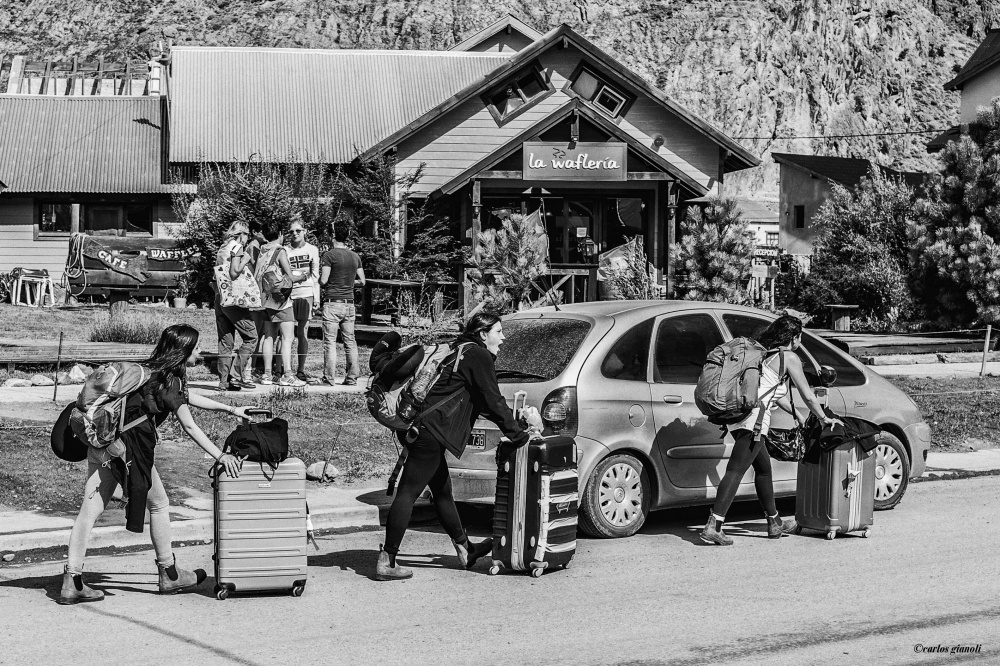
x,y
545,160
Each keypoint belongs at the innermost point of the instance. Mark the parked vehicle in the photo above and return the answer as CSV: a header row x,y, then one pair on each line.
x,y
619,377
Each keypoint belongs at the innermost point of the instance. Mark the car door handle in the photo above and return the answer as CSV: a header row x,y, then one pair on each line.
x,y
673,400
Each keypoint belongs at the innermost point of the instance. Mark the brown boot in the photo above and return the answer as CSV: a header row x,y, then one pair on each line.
x,y
74,591
385,571
173,579
469,552
713,533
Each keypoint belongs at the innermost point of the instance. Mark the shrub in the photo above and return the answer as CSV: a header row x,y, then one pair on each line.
x,y
714,254
630,278
129,327
507,261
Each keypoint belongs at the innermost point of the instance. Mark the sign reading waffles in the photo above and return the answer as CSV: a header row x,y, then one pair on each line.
x,y
574,161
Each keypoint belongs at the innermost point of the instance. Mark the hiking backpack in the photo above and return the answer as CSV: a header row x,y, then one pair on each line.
x,y
397,403
273,282
99,417
729,384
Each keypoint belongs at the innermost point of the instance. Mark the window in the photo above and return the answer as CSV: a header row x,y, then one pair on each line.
x,y
604,96
772,238
610,101
528,87
55,218
103,220
800,217
139,219
538,350
629,357
682,344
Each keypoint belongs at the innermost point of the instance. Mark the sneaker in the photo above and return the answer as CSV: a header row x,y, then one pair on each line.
x,y
350,382
265,381
712,534
291,380
328,381
312,381
247,385
230,386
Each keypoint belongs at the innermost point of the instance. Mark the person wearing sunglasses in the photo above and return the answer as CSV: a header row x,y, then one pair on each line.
x,y
303,257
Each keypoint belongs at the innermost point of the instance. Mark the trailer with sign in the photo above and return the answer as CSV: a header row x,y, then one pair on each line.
x,y
121,268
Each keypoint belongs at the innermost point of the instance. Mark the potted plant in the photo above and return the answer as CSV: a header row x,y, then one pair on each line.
x,y
180,291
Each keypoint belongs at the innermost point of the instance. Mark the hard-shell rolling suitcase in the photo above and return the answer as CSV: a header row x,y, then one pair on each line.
x,y
260,528
837,494
534,517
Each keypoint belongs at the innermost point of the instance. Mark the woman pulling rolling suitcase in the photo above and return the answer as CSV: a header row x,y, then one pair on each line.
x,y
448,429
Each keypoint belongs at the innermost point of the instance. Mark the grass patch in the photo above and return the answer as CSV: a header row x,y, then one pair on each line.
x,y
963,413
31,477
129,328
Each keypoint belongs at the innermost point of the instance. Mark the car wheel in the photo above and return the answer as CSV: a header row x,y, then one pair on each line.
x,y
616,501
892,471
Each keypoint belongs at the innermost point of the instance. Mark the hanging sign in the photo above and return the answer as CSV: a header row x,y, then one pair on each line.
x,y
169,254
574,161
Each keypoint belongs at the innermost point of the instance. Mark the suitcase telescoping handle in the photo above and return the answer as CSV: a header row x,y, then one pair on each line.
x,y
522,398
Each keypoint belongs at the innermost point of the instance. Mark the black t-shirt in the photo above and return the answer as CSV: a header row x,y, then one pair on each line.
x,y
344,265
158,401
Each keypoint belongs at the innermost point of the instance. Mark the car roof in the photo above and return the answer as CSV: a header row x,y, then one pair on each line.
x,y
639,309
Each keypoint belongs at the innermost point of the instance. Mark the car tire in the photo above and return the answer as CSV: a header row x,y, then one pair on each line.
x,y
892,471
616,500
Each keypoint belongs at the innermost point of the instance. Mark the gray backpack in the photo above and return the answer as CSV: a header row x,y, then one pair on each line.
x,y
729,383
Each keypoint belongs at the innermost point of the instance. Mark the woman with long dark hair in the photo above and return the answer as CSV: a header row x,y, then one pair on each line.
x,y
784,337
474,383
165,393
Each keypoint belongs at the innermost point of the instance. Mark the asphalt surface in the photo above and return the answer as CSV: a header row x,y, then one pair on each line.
x,y
928,576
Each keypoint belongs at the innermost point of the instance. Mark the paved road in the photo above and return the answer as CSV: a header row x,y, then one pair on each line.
x,y
928,575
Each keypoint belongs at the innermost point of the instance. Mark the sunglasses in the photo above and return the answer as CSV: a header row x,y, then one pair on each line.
x,y
298,231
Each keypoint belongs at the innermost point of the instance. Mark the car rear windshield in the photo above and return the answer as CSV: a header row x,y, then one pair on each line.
x,y
537,350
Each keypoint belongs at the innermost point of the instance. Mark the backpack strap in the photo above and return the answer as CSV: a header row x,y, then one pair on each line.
x,y
764,404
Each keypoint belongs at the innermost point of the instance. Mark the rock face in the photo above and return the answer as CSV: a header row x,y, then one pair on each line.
x,y
41,380
16,383
760,69
315,472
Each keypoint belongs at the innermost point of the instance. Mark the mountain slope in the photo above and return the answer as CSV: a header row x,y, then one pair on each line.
x,y
760,69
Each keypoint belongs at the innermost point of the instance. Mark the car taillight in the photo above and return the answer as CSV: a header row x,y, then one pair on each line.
x,y
559,412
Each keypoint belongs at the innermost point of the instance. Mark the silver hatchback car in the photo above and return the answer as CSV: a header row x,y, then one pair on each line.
x,y
619,377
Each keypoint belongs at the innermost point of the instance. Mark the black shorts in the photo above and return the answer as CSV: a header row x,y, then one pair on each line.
x,y
302,308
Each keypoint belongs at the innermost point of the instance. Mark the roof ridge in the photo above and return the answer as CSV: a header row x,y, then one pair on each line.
x,y
367,52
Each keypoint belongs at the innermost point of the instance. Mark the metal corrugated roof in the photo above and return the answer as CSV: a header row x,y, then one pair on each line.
x,y
985,56
80,144
227,104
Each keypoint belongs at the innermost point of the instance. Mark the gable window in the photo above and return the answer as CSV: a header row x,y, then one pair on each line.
x,y
800,217
595,89
505,102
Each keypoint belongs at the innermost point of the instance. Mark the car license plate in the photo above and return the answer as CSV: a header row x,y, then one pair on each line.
x,y
478,440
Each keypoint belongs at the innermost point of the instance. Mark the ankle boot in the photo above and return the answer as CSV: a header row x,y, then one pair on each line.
x,y
385,571
714,534
173,579
74,591
469,552
789,526
774,527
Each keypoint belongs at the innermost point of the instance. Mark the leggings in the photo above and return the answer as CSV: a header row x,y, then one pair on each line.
x,y
746,452
425,467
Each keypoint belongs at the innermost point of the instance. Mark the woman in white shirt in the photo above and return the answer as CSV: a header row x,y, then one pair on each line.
x,y
784,336
279,316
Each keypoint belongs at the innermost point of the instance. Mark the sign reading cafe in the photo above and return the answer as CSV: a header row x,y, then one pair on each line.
x,y
545,160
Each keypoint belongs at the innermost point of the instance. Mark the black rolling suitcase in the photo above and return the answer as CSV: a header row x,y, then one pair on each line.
x,y
534,516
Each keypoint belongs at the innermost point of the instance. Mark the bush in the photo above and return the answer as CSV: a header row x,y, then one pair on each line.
x,y
631,279
131,327
507,261
714,254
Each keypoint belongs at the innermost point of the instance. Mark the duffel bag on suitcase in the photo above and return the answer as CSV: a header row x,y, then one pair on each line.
x,y
261,532
534,516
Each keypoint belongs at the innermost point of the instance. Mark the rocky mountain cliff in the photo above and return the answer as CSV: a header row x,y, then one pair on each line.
x,y
762,70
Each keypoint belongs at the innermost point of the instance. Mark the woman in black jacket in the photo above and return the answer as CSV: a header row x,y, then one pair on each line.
x,y
448,429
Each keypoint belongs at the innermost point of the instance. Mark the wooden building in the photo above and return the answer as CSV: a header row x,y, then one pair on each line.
x,y
507,121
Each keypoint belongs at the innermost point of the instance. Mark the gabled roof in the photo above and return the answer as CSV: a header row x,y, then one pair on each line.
x,y
81,144
847,171
942,139
740,157
984,57
227,104
509,23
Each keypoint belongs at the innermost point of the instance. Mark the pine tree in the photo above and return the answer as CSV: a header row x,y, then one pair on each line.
x,y
955,255
715,254
507,261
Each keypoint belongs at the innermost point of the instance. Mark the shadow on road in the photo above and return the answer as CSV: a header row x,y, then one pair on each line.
x,y
107,582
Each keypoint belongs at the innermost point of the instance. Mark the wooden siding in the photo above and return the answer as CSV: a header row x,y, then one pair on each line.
x,y
18,246
469,133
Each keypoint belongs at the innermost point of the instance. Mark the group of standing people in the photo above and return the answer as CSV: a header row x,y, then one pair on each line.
x,y
282,323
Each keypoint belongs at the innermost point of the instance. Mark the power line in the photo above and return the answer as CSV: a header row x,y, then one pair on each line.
x,y
841,136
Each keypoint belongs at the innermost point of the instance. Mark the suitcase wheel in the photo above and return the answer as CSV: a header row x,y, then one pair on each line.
x,y
537,573
831,534
298,590
866,533
221,593
494,570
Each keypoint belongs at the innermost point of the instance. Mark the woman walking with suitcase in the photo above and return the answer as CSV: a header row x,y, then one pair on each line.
x,y
448,428
165,393
784,335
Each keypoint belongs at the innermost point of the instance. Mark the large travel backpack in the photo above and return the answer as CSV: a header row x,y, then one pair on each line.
x,y
273,282
99,417
728,388
398,402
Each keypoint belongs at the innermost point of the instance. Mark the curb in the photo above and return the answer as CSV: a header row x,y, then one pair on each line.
x,y
199,529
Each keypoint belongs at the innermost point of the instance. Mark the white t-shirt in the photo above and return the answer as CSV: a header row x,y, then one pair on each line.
x,y
768,379
304,260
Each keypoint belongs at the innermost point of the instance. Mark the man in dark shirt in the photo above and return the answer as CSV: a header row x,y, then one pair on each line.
x,y
340,273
